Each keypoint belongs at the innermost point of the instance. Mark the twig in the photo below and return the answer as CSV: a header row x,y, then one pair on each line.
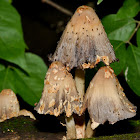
x,y
58,7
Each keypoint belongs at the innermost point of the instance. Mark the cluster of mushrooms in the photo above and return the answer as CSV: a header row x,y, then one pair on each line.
x,y
84,44
9,106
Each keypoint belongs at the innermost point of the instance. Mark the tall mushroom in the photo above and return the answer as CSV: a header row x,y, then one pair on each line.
x,y
59,95
106,100
83,44
9,105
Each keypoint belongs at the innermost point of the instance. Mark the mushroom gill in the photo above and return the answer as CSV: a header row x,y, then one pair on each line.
x,y
9,105
59,94
106,100
84,42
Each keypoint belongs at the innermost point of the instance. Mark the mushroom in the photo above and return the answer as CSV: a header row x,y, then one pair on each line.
x,y
83,44
59,95
25,112
105,99
9,105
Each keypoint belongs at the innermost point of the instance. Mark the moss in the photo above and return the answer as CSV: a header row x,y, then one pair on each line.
x,y
27,128
131,136
19,124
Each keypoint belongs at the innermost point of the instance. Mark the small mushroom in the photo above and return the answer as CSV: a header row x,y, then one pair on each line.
x,y
59,94
25,112
9,105
106,100
84,42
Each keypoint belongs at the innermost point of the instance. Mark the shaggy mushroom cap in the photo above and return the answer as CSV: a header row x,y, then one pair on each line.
x,y
106,100
59,94
9,105
84,42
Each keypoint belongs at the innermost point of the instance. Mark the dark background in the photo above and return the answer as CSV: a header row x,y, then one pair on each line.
x,y
42,27
43,24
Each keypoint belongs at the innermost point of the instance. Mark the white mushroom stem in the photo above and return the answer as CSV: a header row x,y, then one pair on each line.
x,y
80,82
80,85
70,125
89,131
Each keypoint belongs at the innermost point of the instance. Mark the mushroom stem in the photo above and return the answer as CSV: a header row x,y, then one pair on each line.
x,y
80,82
80,85
89,131
70,125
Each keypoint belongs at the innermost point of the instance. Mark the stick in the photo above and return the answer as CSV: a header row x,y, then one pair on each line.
x,y
58,7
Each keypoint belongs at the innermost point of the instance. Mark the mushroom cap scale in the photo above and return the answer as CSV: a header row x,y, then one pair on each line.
x,y
59,94
9,105
84,42
106,100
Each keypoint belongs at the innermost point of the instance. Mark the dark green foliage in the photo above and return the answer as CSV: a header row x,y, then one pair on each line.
x,y
121,28
22,72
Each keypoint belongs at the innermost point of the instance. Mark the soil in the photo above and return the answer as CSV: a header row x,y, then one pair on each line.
x,y
25,128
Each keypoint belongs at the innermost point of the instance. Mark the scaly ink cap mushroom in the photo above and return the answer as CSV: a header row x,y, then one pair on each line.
x,y
9,105
84,42
106,100
59,93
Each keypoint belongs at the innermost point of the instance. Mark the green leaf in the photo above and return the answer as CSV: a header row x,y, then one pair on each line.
x,y
118,29
2,67
132,70
134,123
129,9
36,66
29,87
120,52
7,79
12,46
9,1
99,1
138,38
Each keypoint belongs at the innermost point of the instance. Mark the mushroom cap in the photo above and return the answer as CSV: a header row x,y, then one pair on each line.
x,y
106,100
84,42
9,105
25,112
59,94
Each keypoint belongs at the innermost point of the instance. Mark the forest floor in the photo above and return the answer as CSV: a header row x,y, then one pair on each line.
x,y
24,128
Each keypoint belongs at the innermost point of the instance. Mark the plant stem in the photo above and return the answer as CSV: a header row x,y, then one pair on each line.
x,y
58,7
133,33
80,85
70,125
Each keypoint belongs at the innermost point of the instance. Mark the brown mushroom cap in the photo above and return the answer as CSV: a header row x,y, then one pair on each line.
x,y
84,42
106,100
9,105
59,93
